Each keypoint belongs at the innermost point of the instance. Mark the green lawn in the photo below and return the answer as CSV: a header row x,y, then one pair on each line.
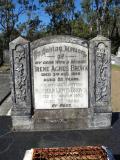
x,y
115,67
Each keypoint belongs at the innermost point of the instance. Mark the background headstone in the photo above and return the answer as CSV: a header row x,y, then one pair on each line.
x,y
1,58
118,52
6,56
115,59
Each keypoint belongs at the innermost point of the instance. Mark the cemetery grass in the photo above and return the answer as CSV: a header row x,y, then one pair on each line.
x,y
115,67
115,88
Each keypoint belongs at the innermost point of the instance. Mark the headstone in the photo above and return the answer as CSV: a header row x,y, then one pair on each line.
x,y
1,57
6,56
113,57
118,52
1,60
61,83
60,76
117,60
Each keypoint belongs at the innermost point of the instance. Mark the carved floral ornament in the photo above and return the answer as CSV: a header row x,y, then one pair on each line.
x,y
20,73
102,73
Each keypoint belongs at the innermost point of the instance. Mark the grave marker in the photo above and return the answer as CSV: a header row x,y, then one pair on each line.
x,y
61,83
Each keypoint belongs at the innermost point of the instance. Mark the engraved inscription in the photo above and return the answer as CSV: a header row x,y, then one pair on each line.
x,y
60,76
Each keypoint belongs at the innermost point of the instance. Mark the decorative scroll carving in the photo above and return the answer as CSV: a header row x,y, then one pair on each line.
x,y
102,73
20,74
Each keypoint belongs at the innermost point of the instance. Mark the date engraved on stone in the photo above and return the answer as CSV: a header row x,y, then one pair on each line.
x,y
60,76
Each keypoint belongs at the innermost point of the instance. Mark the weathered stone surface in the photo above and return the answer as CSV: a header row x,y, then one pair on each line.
x,y
102,72
60,39
101,120
62,119
60,76
31,89
6,56
118,52
20,79
22,123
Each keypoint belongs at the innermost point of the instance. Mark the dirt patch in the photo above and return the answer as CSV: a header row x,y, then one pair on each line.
x,y
115,89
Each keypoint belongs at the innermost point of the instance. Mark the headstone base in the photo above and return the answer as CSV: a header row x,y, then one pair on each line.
x,y
74,119
53,120
22,123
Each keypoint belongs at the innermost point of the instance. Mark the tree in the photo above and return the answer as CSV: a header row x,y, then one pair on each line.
x,y
8,19
93,17
89,15
61,12
32,25
103,17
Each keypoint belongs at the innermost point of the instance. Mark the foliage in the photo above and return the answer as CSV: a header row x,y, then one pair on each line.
x,y
8,19
32,23
10,25
93,17
61,12
103,17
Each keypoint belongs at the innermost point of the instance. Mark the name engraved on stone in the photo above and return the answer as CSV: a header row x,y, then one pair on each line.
x,y
60,76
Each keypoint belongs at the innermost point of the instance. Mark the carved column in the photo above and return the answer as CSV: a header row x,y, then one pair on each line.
x,y
100,81
20,83
102,84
